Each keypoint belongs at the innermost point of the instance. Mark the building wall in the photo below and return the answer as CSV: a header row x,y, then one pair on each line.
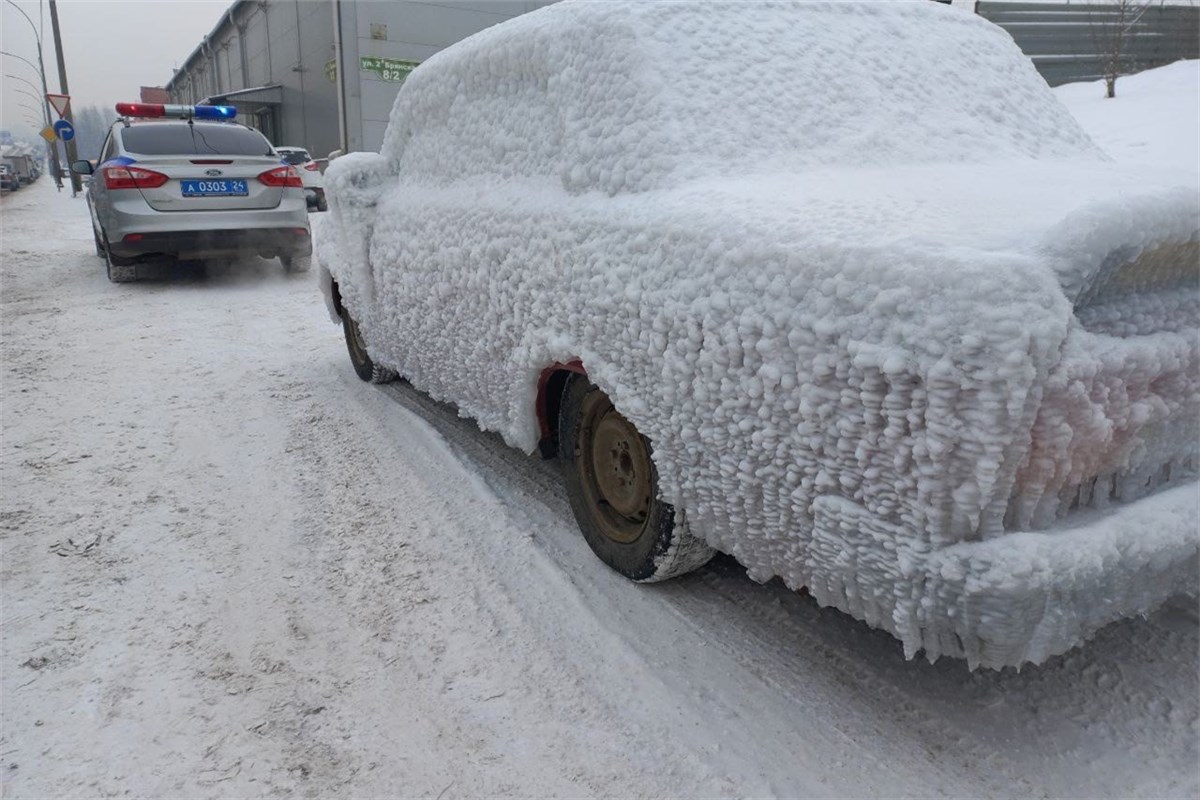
x,y
284,43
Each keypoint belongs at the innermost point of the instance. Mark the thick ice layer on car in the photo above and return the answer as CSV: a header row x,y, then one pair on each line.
x,y
1023,597
826,257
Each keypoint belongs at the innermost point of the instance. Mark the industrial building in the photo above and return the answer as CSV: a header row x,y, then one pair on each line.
x,y
323,74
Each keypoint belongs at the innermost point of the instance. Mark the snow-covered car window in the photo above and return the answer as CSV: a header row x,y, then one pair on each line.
x,y
669,104
475,121
815,97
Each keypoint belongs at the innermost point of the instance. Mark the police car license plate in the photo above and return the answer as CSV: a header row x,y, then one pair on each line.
x,y
209,188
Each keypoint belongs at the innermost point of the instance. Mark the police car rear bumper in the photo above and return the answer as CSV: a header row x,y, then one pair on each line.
x,y
267,242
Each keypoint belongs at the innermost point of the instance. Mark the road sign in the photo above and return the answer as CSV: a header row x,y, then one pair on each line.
x,y
48,134
388,69
65,130
61,103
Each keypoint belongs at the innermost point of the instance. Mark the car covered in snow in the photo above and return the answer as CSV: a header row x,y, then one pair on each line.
x,y
840,289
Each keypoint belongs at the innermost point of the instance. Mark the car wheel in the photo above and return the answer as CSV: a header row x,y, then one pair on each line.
x,y
322,204
366,369
295,264
120,270
612,484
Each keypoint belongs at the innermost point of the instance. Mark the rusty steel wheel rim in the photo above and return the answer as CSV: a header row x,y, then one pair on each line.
x,y
618,478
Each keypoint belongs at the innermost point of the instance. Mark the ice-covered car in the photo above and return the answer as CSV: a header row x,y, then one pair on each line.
x,y
841,290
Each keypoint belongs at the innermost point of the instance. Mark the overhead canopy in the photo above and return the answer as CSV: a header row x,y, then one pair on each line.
x,y
257,95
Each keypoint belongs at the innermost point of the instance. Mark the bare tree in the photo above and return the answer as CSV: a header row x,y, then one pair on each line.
x,y
1112,33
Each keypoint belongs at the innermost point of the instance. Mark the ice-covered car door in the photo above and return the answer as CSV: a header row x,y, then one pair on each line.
x,y
356,182
456,288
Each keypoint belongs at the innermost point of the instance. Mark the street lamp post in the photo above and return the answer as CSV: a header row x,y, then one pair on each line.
x,y
76,184
41,70
30,84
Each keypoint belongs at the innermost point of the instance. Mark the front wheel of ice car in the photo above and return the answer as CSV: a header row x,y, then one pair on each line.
x,y
366,369
613,488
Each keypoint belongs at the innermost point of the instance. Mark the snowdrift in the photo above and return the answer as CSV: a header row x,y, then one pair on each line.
x,y
898,330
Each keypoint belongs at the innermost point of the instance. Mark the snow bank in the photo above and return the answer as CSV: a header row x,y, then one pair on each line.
x,y
1154,119
832,260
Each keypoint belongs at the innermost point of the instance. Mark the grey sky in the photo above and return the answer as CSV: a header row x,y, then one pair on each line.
x,y
112,47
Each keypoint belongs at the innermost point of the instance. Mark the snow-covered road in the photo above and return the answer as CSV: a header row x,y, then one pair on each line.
x,y
230,568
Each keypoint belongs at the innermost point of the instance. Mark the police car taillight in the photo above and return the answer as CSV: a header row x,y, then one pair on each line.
x,y
153,110
281,176
132,178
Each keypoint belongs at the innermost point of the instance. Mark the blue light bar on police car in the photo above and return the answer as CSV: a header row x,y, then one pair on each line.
x,y
175,111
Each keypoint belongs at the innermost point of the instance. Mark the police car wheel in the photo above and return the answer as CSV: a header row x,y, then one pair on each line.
x,y
120,270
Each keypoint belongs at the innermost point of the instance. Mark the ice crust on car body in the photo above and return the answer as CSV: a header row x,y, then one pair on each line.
x,y
898,330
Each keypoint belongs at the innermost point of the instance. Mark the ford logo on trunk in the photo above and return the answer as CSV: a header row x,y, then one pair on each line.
x,y
212,173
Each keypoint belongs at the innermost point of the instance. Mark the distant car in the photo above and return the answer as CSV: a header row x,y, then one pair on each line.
x,y
839,289
182,182
9,182
310,173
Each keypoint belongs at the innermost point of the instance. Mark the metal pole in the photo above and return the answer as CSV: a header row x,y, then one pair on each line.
x,y
341,76
76,184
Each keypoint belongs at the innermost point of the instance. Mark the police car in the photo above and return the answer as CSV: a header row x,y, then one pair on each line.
x,y
187,182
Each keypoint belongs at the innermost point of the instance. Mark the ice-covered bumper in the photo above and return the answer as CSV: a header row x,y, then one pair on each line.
x,y
1022,597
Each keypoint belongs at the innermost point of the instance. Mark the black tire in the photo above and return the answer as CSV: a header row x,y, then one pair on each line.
x,y
120,270
612,484
365,368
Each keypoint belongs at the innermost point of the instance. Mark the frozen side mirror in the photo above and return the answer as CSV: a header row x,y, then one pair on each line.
x,y
81,167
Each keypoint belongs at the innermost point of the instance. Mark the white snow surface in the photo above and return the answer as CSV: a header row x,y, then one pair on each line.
x,y
1154,119
846,265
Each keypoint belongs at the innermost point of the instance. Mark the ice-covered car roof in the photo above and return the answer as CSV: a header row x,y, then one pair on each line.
x,y
621,95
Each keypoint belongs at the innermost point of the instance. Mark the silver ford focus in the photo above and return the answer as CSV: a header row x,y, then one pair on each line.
x,y
186,182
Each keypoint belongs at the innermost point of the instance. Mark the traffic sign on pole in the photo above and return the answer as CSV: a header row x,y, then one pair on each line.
x,y
65,130
61,103
48,134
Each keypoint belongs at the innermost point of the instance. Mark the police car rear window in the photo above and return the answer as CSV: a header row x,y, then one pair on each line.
x,y
294,157
157,139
